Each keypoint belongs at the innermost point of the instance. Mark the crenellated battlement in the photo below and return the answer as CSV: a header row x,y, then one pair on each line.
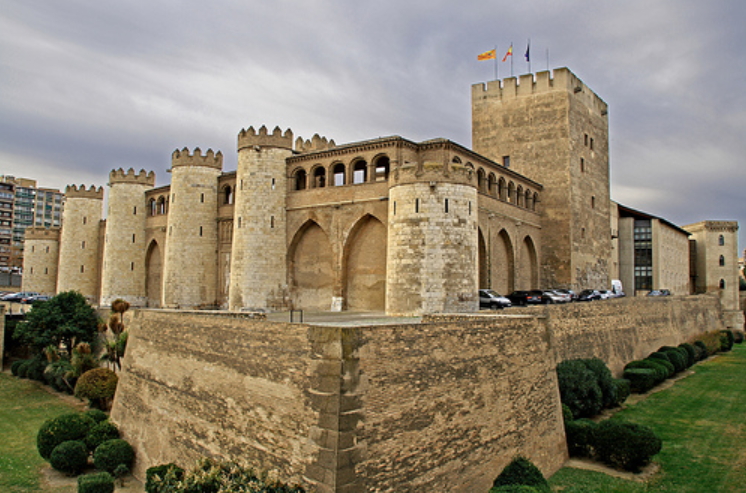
x,y
561,79
81,192
209,160
316,143
42,233
118,176
262,138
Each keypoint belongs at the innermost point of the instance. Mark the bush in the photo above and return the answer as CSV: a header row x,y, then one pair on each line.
x,y
579,389
726,340
659,355
661,371
521,471
101,433
23,368
580,435
678,359
622,388
641,379
668,368
704,352
691,353
97,414
66,427
112,453
514,488
70,457
156,476
59,375
97,482
626,445
566,414
738,336
604,379
98,386
14,367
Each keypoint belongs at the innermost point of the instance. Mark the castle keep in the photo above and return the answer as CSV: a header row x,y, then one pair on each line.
x,y
384,224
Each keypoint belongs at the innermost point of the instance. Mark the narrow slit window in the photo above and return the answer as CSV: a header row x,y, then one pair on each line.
x,y
134,210
202,198
446,205
133,237
200,230
272,222
132,266
417,205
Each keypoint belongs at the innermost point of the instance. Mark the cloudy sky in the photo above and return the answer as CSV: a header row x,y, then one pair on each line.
x,y
86,87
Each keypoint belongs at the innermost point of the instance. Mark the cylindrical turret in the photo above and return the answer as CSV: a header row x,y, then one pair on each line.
x,y
79,262
123,272
40,257
258,264
431,264
191,259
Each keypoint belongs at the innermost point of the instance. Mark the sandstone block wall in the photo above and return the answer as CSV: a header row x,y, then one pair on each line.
x,y
79,250
41,254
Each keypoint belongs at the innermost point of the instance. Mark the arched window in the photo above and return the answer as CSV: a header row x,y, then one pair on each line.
x,y
300,179
319,177
161,207
338,172
502,189
536,199
492,184
519,196
721,240
456,160
382,166
152,211
227,194
480,180
529,200
722,260
359,172
511,192
722,283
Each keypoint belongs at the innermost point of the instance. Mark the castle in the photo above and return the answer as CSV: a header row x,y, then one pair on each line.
x,y
384,224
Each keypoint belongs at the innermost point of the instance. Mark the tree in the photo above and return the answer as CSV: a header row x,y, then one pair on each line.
x,y
64,320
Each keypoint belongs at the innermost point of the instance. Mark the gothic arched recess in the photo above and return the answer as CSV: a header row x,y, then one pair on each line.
x,y
310,270
365,266
484,278
503,264
153,275
529,270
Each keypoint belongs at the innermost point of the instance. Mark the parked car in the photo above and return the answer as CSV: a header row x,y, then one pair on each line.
x,y
33,299
659,292
567,292
492,300
524,298
17,297
550,297
606,294
589,295
564,295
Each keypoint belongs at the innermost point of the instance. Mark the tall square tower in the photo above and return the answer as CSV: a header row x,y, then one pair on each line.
x,y
553,129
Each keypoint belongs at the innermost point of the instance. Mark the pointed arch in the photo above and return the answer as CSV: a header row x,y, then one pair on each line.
x,y
502,267
484,261
529,265
153,275
364,265
480,180
310,269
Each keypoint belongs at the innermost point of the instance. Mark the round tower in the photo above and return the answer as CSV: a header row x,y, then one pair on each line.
x,y
79,251
123,271
431,263
190,268
40,257
258,264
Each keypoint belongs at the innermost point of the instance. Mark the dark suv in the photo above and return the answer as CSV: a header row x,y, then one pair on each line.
x,y
524,298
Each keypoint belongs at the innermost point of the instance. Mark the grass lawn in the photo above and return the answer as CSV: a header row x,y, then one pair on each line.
x,y
24,406
702,422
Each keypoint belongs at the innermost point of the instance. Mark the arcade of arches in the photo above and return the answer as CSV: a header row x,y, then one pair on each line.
x,y
499,267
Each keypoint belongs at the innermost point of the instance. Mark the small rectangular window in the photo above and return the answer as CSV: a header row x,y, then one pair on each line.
x,y
446,205
202,198
132,266
82,245
134,210
200,230
82,269
394,207
271,222
133,237
591,143
417,205
506,161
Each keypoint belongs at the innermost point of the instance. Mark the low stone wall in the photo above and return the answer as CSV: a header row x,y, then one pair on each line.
x,y
439,406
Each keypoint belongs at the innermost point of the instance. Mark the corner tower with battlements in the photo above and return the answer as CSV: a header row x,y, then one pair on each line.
x,y
553,129
191,258
123,271
41,253
258,262
79,257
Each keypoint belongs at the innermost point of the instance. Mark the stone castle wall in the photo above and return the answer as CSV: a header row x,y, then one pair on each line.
x,y
41,251
437,406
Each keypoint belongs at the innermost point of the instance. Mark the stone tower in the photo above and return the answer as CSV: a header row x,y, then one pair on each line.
x,y
431,263
553,129
191,258
258,265
40,257
79,258
123,270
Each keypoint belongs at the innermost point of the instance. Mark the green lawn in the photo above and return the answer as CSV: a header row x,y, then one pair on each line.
x,y
701,420
24,406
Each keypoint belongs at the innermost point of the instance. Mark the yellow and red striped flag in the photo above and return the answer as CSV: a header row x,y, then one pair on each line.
x,y
509,53
487,55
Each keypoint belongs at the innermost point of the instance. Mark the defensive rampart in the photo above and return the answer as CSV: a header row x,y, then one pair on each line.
x,y
437,406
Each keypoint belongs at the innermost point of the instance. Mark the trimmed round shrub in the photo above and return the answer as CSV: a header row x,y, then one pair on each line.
x,y
691,353
625,445
98,386
97,482
522,471
566,414
74,426
155,476
738,336
668,368
703,349
112,453
604,379
641,380
659,355
580,435
100,433
661,371
23,368
514,488
69,457
726,340
97,414
14,367
579,389
622,389
677,359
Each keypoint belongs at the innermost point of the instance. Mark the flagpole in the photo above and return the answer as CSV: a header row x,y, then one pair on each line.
x,y
496,78
511,60
528,55
547,59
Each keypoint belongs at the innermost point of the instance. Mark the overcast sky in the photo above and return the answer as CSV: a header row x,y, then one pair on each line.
x,y
86,87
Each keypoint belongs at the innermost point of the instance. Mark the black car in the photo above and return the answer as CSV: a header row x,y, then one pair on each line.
x,y
490,299
589,295
17,297
524,298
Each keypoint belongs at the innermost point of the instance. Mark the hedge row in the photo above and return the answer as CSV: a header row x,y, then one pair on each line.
x,y
587,386
617,443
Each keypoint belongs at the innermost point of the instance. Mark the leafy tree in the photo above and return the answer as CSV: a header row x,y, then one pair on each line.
x,y
64,320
